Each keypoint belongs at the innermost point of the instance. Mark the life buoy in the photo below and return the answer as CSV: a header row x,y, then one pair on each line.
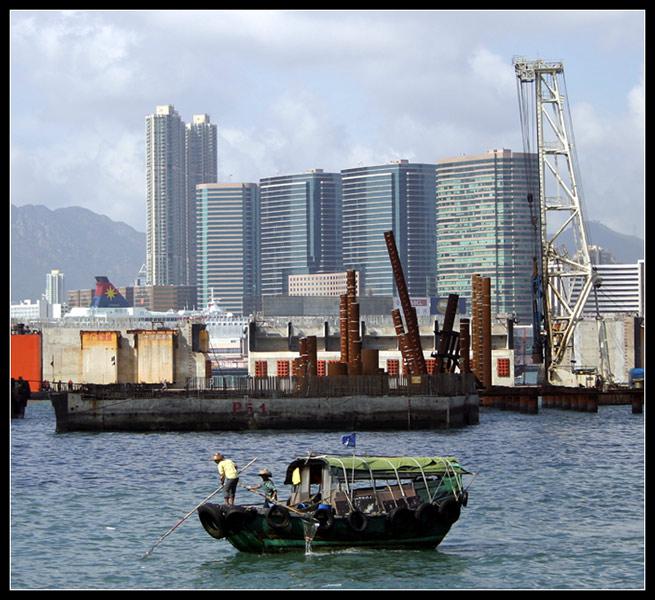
x,y
427,515
401,519
212,519
278,517
325,518
449,511
357,520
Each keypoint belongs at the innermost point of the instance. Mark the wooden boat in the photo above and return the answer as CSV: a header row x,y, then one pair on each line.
x,y
349,501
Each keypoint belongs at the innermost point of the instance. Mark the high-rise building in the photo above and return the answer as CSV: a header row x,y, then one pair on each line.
x,y
620,289
54,287
398,196
300,227
166,227
201,146
227,218
485,226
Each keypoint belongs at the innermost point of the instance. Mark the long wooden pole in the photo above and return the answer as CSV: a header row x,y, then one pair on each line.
x,y
185,517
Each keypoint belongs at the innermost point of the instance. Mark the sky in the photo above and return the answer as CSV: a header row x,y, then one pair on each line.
x,y
293,90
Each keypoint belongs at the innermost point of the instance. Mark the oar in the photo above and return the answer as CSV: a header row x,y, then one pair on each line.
x,y
294,510
185,517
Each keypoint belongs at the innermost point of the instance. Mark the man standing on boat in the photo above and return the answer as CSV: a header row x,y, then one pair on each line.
x,y
227,471
267,486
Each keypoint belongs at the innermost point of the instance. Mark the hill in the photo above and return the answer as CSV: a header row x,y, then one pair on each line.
x,y
77,241
624,248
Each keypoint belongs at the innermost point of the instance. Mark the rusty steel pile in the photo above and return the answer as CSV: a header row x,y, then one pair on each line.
x,y
453,349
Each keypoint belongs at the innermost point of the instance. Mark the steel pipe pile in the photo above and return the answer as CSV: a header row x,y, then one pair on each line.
x,y
417,363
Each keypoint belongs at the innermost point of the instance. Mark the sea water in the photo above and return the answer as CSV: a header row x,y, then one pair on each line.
x,y
557,503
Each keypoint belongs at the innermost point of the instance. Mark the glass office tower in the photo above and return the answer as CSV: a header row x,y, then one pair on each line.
x,y
398,196
485,226
300,227
227,239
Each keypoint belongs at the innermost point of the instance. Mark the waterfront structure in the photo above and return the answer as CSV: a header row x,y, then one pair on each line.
x,y
54,287
201,147
396,196
300,227
485,226
319,284
227,218
166,225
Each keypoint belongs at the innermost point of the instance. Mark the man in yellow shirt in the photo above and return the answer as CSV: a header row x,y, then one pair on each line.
x,y
227,471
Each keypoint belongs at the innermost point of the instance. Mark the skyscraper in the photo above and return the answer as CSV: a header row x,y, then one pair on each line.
x,y
54,287
227,218
484,226
166,227
201,167
300,227
398,196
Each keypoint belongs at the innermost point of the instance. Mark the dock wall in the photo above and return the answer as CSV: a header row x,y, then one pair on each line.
x,y
76,412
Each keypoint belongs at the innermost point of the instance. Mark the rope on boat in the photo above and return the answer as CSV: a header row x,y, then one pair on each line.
x,y
400,485
345,474
425,480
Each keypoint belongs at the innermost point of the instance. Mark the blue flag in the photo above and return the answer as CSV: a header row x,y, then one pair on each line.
x,y
348,440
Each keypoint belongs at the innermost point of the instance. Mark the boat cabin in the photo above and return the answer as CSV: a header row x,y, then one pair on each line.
x,y
372,484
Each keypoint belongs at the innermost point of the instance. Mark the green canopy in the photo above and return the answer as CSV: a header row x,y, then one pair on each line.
x,y
382,465
430,465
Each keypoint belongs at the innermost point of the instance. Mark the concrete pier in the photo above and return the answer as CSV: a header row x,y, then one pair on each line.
x,y
178,411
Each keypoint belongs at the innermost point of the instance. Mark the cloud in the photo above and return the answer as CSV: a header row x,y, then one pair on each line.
x,y
294,90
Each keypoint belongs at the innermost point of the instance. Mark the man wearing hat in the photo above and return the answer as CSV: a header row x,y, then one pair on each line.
x,y
267,486
229,475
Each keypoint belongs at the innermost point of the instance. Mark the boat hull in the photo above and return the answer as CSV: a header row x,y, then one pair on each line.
x,y
255,534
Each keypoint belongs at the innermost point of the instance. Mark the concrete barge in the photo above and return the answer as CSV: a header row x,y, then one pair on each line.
x,y
223,410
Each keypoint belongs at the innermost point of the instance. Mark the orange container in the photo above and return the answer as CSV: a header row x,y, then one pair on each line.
x,y
26,359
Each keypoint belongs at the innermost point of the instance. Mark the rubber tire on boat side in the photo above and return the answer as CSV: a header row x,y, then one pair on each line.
x,y
211,517
427,514
278,517
235,519
325,518
449,510
401,519
357,520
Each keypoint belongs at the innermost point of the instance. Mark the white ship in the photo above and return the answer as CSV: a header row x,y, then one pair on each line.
x,y
109,310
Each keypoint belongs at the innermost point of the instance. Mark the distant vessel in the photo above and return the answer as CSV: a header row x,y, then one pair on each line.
x,y
227,331
109,310
349,501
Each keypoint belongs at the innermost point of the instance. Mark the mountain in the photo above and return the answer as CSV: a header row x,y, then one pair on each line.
x,y
78,242
624,248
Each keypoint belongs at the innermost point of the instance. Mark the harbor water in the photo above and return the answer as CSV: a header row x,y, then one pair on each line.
x,y
558,503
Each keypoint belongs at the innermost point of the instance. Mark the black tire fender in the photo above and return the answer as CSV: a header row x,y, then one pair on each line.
x,y
357,520
278,517
212,519
449,510
401,519
235,519
325,518
427,514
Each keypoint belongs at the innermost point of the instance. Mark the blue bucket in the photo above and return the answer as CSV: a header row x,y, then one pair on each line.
x,y
326,506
